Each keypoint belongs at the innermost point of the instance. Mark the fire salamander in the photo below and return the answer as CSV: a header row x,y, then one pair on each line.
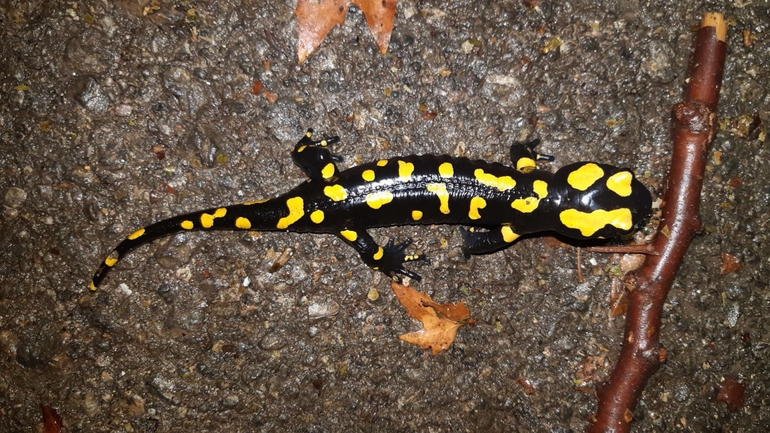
x,y
585,200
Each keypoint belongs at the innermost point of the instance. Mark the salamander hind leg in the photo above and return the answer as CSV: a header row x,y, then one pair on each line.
x,y
485,242
315,158
388,259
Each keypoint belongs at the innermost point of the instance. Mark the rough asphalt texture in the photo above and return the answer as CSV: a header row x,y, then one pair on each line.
x,y
111,119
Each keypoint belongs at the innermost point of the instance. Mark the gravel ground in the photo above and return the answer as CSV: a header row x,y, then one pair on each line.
x,y
111,118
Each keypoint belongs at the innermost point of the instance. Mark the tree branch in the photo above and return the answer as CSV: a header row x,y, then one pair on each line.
x,y
694,126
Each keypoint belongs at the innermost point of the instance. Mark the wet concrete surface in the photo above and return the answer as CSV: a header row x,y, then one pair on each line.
x,y
117,114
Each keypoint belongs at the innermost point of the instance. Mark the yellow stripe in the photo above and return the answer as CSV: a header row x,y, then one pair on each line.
x,y
443,196
502,183
296,211
590,223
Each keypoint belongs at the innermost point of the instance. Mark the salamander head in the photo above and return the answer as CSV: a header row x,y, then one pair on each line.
x,y
600,201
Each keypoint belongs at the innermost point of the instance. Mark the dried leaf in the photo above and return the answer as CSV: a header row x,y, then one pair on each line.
x,y
439,321
52,422
730,264
315,18
732,393
379,16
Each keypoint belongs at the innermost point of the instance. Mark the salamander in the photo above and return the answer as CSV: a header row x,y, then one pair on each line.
x,y
584,200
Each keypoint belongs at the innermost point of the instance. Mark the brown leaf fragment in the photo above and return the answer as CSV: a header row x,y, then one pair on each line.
x,y
256,88
730,264
526,385
732,393
52,422
439,321
379,17
314,21
315,18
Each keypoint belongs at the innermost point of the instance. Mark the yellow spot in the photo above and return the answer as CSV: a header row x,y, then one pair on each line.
x,y
503,183
446,169
476,204
207,220
336,192
620,183
111,260
328,171
417,215
349,235
590,223
243,223
92,286
301,148
382,163
526,205
405,170
317,216
136,234
308,134
508,234
295,212
377,199
378,255
525,165
585,176
529,204
324,143
258,201
443,196
187,225
368,175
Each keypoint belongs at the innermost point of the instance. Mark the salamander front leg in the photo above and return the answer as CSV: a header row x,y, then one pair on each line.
x,y
315,158
524,157
389,259
478,242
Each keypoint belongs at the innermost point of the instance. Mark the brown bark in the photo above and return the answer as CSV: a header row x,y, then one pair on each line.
x,y
694,125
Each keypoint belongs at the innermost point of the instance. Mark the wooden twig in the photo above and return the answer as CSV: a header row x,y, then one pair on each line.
x,y
694,126
648,249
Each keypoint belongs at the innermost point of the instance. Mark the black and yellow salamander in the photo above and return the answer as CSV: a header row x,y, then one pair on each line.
x,y
584,200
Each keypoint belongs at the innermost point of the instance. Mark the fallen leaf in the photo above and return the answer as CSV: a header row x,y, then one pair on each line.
x,y
439,321
732,393
52,422
730,264
315,18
